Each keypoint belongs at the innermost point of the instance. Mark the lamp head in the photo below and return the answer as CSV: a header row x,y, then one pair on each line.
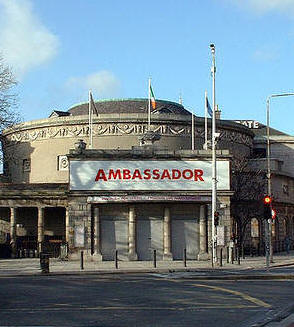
x,y
212,47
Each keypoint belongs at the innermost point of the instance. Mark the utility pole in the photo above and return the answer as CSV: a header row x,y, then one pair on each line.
x,y
214,172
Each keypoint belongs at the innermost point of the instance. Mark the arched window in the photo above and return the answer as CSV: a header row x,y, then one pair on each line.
x,y
254,227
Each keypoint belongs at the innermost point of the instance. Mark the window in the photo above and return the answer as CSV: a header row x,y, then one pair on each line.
x,y
26,165
254,227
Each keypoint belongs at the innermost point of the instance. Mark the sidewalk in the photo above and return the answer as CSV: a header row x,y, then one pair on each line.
x,y
31,266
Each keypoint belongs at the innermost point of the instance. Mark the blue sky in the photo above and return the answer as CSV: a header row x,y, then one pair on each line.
x,y
60,49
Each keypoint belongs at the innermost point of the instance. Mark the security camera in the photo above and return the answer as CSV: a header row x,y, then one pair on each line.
x,y
212,46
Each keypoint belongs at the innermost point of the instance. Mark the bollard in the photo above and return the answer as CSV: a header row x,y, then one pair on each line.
x,y
232,255
82,260
44,263
154,258
236,252
221,257
116,259
185,257
228,254
212,263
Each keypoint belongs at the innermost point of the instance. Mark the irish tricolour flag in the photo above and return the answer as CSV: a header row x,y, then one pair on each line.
x,y
152,97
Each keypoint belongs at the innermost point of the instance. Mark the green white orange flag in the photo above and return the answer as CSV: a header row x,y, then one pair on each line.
x,y
152,98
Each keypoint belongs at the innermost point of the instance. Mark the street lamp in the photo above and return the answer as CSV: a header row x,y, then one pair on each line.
x,y
214,181
269,256
268,136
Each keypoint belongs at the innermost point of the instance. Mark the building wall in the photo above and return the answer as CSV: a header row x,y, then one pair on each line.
x,y
36,151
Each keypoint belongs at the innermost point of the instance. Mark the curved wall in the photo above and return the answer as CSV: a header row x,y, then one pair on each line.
x,y
35,151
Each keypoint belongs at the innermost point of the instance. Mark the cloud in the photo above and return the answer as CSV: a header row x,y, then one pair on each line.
x,y
262,6
266,53
25,42
104,84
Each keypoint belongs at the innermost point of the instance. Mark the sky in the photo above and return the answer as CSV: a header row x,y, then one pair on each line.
x,y
58,50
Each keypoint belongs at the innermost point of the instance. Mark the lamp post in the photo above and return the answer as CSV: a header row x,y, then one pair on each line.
x,y
214,181
269,254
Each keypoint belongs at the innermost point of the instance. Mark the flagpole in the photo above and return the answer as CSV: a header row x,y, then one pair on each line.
x,y
214,181
205,122
193,133
149,108
90,122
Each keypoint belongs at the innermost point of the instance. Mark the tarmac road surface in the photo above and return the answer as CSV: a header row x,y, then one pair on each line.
x,y
141,300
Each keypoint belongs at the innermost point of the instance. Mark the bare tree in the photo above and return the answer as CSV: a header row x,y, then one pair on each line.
x,y
8,113
248,184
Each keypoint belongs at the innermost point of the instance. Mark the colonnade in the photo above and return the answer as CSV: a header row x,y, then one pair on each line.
x,y
167,237
40,227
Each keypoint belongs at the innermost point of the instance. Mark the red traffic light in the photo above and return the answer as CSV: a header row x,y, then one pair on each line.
x,y
267,200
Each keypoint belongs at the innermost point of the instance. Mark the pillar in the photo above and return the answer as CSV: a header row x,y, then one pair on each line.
x,y
13,212
203,254
132,235
40,228
97,244
67,227
167,255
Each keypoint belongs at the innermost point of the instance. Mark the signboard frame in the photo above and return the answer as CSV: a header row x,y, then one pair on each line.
x,y
147,175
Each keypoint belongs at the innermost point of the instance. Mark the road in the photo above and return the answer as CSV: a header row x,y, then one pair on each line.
x,y
140,300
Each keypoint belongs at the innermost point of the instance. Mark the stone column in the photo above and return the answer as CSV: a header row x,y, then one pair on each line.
x,y
13,231
203,254
67,226
97,244
132,235
40,228
167,255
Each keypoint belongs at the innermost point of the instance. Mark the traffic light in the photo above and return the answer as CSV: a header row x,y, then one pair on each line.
x,y
267,207
216,218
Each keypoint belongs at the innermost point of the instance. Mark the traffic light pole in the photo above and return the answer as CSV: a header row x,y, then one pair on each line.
x,y
269,247
267,244
267,214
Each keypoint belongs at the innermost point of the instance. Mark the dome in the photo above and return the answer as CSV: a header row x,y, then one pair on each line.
x,y
125,106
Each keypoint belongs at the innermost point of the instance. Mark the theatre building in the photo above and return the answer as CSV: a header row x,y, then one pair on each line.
x,y
128,188
145,199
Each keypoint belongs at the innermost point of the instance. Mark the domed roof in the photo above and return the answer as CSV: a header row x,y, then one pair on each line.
x,y
125,106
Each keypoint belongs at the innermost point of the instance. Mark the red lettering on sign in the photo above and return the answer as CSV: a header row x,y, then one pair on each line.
x,y
176,174
114,174
188,174
126,174
147,174
198,173
100,175
156,174
137,174
165,174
